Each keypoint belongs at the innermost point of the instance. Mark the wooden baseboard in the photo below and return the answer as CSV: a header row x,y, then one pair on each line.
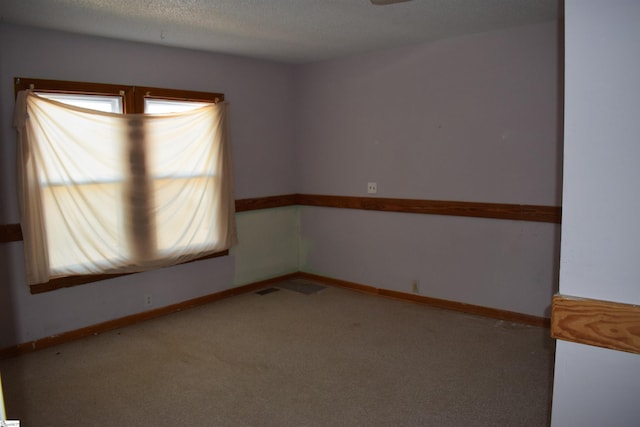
x,y
69,336
494,313
99,328
599,323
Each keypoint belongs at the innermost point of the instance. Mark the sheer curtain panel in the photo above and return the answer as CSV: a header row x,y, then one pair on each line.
x,y
119,193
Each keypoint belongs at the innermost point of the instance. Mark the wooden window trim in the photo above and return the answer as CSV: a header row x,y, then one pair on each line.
x,y
133,102
142,92
60,86
83,279
133,96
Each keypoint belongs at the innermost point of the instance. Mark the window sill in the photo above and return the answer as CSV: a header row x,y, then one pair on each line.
x,y
67,282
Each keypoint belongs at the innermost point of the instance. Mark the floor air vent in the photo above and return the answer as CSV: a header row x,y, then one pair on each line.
x,y
303,286
267,291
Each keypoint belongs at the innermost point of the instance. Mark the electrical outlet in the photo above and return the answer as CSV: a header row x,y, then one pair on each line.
x,y
148,301
372,188
414,286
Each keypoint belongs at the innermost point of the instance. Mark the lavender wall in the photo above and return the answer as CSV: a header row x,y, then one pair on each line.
x,y
474,118
600,237
260,94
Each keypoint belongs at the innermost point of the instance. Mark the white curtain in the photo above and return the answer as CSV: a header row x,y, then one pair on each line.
x,y
117,193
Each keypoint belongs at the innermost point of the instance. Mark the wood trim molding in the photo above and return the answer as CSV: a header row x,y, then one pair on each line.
x,y
269,202
99,328
70,281
69,336
132,96
10,233
494,313
537,213
552,214
599,323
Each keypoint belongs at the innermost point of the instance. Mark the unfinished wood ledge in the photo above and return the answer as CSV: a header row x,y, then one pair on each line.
x,y
599,323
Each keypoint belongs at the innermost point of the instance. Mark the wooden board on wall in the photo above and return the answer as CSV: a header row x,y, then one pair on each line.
x,y
605,324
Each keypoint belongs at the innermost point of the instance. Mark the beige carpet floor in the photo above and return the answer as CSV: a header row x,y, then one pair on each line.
x,y
330,358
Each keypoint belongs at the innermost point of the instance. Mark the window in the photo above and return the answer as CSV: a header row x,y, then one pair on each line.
x,y
109,192
106,104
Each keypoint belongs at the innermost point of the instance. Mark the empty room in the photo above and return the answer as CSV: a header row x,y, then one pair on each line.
x,y
313,212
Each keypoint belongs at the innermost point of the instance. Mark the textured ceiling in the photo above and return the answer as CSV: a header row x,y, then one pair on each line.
x,y
283,30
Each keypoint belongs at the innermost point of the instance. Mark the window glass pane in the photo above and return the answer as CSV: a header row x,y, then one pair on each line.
x,y
82,166
160,106
97,212
183,148
187,218
182,163
79,148
104,103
